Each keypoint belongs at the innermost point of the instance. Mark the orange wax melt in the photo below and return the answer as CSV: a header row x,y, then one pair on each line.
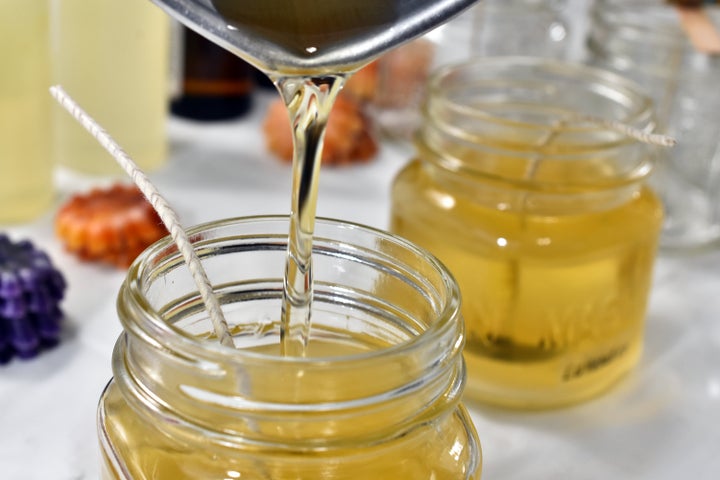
x,y
111,225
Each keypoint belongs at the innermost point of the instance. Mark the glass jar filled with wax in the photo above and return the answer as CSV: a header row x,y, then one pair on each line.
x,y
544,218
375,394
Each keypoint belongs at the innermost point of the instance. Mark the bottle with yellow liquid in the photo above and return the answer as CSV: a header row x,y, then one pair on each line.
x,y
375,395
112,57
544,218
26,168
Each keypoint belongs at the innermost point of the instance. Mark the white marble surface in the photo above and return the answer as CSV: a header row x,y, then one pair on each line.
x,y
661,423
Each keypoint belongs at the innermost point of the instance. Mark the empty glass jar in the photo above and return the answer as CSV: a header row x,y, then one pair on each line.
x,y
544,218
644,41
376,396
520,27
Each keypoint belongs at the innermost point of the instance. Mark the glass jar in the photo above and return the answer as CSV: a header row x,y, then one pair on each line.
x,y
644,41
377,394
545,221
641,40
521,27
393,86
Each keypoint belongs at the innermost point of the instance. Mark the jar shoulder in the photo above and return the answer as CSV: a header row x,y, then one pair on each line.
x,y
485,215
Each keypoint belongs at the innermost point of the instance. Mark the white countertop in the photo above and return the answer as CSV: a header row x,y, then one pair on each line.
x,y
661,423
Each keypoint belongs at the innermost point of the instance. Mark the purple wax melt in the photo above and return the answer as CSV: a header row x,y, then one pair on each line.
x,y
30,292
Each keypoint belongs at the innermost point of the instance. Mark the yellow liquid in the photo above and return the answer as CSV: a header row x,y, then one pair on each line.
x,y
112,57
554,304
309,102
304,30
25,162
436,451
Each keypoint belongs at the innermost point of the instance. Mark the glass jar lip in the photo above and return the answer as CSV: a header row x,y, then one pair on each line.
x,y
640,115
155,329
458,165
630,19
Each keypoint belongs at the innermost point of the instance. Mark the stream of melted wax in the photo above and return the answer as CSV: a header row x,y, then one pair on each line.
x,y
309,101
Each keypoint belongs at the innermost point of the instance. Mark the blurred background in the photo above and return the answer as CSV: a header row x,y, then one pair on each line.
x,y
210,131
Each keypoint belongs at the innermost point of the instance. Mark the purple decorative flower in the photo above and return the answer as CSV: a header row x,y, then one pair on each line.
x,y
30,292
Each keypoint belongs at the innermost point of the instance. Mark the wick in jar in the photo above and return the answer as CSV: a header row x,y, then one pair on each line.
x,y
643,136
161,206
514,273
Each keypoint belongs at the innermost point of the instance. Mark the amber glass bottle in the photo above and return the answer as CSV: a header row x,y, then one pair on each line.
x,y
215,84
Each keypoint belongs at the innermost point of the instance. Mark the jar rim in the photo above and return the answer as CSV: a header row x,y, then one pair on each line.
x,y
150,324
528,114
485,72
630,19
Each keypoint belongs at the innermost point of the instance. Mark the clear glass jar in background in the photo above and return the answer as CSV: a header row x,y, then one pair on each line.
x,y
26,168
546,223
492,27
521,27
643,40
112,57
381,380
393,86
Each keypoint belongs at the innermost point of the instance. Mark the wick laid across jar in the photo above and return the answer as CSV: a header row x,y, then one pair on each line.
x,y
546,223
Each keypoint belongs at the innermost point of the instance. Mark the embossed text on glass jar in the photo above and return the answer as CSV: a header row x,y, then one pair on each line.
x,y
376,396
544,220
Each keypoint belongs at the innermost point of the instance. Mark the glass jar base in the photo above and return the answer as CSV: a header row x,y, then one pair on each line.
x,y
507,385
